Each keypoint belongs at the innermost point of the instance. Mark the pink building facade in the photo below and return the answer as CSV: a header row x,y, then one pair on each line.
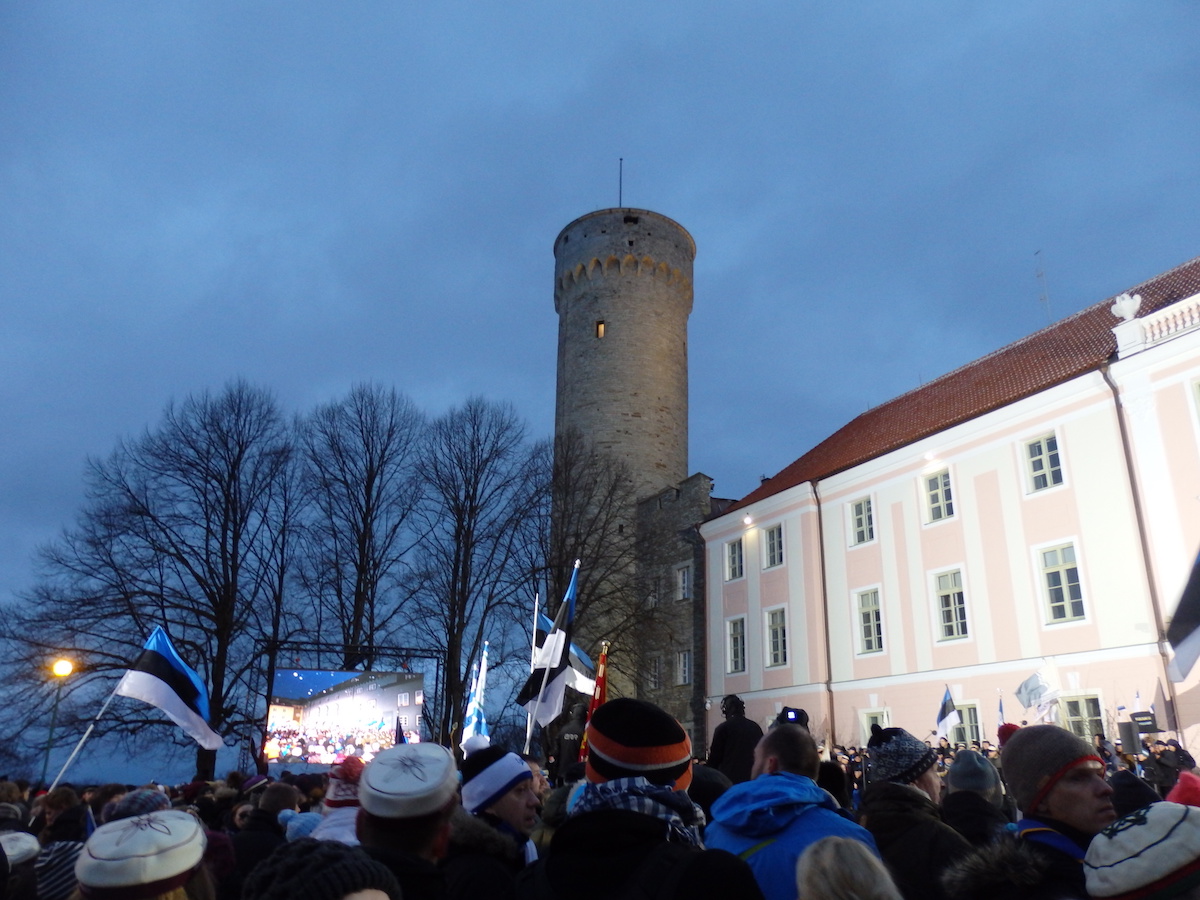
x,y
1036,511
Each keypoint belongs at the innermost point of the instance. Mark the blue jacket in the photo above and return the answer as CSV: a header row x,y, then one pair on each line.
x,y
771,820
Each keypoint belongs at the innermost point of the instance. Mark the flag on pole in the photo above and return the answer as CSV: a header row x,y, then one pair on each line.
x,y
161,678
599,696
545,690
474,722
1001,720
1033,690
1184,630
947,716
579,660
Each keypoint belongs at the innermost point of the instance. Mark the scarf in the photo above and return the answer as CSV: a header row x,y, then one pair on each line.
x,y
683,818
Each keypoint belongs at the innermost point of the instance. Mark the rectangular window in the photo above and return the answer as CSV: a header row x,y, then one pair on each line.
x,y
402,698
734,567
683,667
952,607
864,521
777,637
1083,716
737,645
419,698
1063,594
870,623
654,673
937,492
652,594
403,722
967,729
1045,466
774,536
869,718
683,583
600,328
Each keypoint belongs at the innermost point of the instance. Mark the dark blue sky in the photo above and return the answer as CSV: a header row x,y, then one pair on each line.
x,y
310,195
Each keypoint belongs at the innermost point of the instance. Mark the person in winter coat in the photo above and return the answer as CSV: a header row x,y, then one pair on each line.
x,y
632,831
734,740
1058,782
972,805
340,804
772,819
900,807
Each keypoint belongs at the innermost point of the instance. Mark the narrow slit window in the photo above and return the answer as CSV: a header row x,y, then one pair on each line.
x,y
599,328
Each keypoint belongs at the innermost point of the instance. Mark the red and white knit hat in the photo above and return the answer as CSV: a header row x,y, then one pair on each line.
x,y
343,783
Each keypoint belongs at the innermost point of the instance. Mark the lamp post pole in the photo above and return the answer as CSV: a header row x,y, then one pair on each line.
x,y
61,669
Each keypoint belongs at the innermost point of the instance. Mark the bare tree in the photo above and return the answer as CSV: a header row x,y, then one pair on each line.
x,y
360,457
591,515
186,527
482,492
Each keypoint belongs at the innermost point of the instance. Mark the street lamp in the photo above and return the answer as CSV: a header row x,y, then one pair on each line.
x,y
61,669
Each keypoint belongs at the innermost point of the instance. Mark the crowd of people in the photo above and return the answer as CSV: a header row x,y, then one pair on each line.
x,y
1042,815
324,745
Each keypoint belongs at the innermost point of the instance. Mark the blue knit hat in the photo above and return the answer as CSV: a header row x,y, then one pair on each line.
x,y
898,756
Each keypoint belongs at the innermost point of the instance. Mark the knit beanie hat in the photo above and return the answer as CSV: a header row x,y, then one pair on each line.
x,y
141,857
301,825
971,772
898,756
1151,853
1004,732
628,737
343,783
408,780
489,774
138,803
318,870
1036,757
1186,790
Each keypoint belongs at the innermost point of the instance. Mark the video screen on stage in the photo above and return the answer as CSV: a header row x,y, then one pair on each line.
x,y
324,716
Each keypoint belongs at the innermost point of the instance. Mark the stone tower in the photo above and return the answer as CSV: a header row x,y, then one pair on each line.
x,y
623,293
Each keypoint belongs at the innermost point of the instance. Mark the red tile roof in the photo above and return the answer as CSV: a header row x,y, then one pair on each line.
x,y
1080,343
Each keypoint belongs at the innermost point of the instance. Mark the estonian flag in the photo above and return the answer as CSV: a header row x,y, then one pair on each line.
x,y
947,716
544,692
161,678
1184,630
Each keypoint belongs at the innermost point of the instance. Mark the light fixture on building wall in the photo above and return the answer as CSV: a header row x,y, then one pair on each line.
x,y
746,520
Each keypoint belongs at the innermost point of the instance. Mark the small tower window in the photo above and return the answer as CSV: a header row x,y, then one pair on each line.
x,y
599,328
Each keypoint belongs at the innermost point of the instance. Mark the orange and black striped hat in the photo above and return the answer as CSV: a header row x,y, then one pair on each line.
x,y
628,737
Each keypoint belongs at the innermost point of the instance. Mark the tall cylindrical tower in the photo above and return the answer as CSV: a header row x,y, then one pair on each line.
x,y
623,293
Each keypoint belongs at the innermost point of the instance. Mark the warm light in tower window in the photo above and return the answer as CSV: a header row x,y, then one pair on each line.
x,y
600,329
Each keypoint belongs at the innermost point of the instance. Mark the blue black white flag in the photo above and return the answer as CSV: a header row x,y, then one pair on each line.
x,y
161,678
1184,630
475,722
948,715
543,694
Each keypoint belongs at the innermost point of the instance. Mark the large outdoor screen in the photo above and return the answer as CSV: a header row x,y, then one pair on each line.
x,y
322,716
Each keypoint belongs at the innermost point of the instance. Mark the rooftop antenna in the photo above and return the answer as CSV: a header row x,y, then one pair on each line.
x,y
620,181
1040,274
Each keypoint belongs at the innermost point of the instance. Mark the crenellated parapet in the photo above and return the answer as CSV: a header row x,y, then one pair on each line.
x,y
645,266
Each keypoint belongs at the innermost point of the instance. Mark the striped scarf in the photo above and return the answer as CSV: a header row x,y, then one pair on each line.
x,y
683,818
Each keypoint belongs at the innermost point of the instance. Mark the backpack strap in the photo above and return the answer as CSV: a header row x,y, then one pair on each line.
x,y
750,851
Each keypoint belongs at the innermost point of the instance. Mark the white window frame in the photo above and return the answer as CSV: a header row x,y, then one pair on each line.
x,y
1090,723
652,596
775,624
1041,467
402,698
939,498
881,716
683,667
773,546
735,560
683,583
1048,589
967,729
860,612
961,624
654,673
735,629
862,521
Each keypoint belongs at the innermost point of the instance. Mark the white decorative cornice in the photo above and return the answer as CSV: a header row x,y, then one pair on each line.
x,y
1137,334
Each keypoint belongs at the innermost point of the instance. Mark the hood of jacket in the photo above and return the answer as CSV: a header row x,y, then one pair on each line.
x,y
769,803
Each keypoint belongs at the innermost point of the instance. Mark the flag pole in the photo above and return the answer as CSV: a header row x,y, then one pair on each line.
x,y
87,734
532,656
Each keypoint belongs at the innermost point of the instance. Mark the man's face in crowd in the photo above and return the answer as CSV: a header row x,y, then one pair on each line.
x,y
1081,799
541,784
518,808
